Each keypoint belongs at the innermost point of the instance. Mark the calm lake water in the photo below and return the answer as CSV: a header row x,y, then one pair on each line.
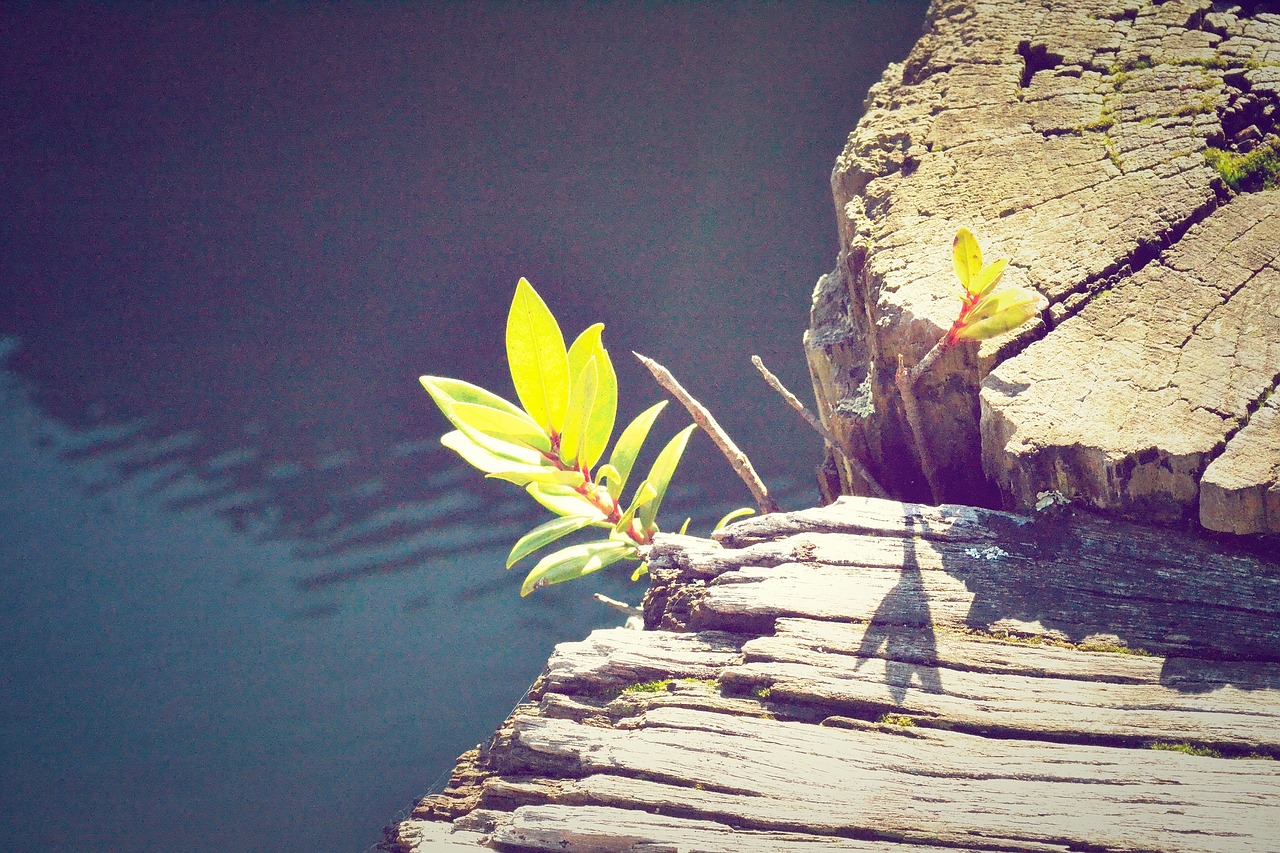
x,y
249,603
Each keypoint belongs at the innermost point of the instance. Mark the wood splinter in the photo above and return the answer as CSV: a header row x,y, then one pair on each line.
x,y
703,418
812,420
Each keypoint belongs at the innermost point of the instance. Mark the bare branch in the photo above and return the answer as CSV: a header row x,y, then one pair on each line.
x,y
703,418
812,420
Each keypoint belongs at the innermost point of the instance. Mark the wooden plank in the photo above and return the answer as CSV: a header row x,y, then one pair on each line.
x,y
934,787
764,731
602,829
1065,575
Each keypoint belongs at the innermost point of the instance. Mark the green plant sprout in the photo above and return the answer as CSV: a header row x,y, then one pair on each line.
x,y
551,443
986,310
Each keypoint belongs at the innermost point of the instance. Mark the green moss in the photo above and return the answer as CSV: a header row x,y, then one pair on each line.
x,y
1203,106
761,693
648,686
1186,749
1104,121
1113,155
896,720
1259,169
1128,65
1217,63
1021,640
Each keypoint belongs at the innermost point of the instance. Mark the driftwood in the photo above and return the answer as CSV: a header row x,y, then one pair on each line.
x,y
878,676
1073,137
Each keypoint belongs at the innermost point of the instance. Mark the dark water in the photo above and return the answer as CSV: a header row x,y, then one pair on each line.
x,y
249,604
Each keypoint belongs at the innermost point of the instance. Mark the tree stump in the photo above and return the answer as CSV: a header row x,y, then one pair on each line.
x,y
1076,137
878,676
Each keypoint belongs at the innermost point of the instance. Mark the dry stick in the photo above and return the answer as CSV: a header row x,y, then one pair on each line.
x,y
812,420
703,418
906,380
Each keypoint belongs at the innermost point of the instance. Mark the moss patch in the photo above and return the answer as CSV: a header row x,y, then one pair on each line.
x,y
1186,749
1035,640
1257,170
649,686
896,720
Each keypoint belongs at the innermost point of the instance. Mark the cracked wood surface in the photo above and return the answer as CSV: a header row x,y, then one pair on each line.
x,y
875,676
1070,136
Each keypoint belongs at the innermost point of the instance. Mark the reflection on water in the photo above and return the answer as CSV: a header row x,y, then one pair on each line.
x,y
243,582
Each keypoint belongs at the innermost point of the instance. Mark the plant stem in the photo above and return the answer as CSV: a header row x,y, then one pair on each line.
x,y
906,379
812,420
703,418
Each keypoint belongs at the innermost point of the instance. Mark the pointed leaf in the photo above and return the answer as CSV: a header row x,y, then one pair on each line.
x,y
578,418
644,494
628,446
484,458
574,562
736,514
537,359
605,408
609,476
442,389
684,528
563,500
987,280
641,571
660,474
967,256
498,424
545,534
523,475
1000,312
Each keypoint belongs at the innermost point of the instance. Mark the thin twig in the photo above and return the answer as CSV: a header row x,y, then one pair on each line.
x,y
812,420
703,418
918,369
905,379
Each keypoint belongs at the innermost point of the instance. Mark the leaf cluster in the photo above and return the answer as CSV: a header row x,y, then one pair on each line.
x,y
553,442
986,308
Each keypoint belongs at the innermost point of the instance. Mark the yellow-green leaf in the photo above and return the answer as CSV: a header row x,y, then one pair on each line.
x,y
445,390
537,358
545,534
967,256
628,447
576,561
987,279
641,571
605,406
733,516
644,494
578,418
487,459
563,500
660,474
523,475
1000,312
498,424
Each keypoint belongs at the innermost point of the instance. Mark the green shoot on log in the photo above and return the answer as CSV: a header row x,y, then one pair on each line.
x,y
553,443
987,309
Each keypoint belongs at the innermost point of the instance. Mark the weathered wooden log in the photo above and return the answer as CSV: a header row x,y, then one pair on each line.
x,y
1073,137
883,676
